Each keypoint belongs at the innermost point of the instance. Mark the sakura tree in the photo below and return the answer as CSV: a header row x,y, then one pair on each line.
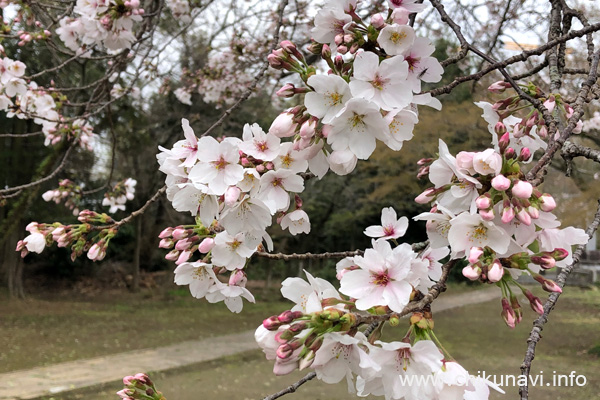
x,y
357,83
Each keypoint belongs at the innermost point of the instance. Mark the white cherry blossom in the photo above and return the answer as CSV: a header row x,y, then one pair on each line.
x,y
391,226
330,95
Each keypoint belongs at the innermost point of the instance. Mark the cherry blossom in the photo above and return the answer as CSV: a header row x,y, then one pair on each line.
x,y
391,227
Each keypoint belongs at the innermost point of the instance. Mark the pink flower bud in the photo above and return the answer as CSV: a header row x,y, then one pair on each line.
x,y
525,154
377,21
545,261
522,189
128,380
426,197
533,212
483,202
498,87
496,272
474,254
578,127
508,314
206,245
183,257
550,103
487,215
260,168
165,243
500,183
342,49
96,252
471,272
284,351
172,255
179,233
508,214
183,244
547,284
543,132
509,153
283,125
524,217
534,302
286,91
559,254
271,323
326,52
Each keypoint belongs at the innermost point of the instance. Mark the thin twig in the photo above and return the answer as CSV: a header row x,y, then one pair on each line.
x,y
292,388
257,78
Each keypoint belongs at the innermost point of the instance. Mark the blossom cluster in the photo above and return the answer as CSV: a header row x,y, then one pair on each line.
x,y
119,195
234,188
369,91
104,22
322,330
67,192
485,210
26,100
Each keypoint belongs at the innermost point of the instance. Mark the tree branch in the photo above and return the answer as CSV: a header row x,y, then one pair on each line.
x,y
538,324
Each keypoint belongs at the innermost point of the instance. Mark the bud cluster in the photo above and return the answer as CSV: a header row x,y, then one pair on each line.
x,y
139,386
67,191
91,236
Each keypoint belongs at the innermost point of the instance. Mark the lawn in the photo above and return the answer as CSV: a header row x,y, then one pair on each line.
x,y
475,335
53,329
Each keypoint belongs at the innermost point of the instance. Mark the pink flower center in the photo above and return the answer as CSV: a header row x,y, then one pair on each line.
x,y
380,278
412,62
379,83
388,230
220,163
276,182
262,146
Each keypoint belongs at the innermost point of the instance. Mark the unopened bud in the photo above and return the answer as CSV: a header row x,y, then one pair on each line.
x,y
525,154
547,202
496,272
522,189
500,183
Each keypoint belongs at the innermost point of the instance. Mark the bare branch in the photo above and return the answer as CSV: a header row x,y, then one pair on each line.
x,y
292,388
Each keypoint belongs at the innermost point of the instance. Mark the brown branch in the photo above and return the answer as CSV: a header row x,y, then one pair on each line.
x,y
137,212
336,254
306,256
257,78
538,324
44,179
292,388
514,59
572,150
535,175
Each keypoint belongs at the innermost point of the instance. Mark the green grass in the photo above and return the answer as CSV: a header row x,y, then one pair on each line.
x,y
38,332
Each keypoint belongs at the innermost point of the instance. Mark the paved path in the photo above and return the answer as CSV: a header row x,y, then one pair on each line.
x,y
37,382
